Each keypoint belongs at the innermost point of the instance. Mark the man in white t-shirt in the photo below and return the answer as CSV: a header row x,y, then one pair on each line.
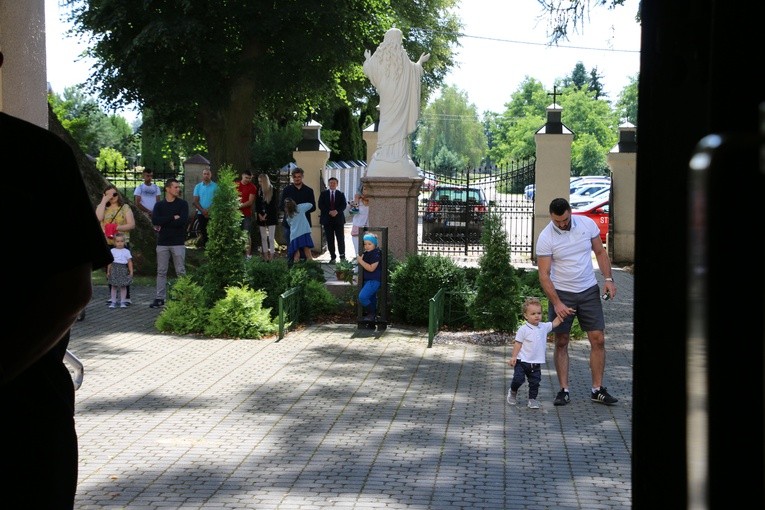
x,y
564,261
146,193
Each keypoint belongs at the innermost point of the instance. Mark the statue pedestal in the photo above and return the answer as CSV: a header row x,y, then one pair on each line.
x,y
393,204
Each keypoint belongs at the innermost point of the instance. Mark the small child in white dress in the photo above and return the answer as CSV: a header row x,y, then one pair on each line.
x,y
119,273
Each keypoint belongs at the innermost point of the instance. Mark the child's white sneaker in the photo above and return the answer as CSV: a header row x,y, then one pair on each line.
x,y
533,404
512,397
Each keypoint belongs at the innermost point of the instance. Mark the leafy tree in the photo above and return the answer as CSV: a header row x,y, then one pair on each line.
x,y
451,132
578,77
593,122
110,160
209,67
595,85
91,127
447,163
273,143
350,146
588,157
565,14
163,150
516,143
512,132
627,104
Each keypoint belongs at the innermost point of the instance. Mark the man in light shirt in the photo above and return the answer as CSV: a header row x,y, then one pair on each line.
x,y
565,272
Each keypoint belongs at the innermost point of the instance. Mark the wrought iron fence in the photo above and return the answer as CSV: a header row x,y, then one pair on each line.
x,y
453,205
128,180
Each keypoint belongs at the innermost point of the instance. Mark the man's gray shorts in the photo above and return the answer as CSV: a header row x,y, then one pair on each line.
x,y
589,310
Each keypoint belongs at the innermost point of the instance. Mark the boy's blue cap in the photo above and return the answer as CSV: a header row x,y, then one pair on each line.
x,y
370,238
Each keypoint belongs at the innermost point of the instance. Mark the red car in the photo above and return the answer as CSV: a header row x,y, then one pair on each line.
x,y
598,212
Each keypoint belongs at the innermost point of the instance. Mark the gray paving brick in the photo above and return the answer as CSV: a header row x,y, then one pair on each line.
x,y
328,418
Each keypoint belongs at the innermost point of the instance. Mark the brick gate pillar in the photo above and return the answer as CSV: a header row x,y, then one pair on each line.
x,y
553,169
622,160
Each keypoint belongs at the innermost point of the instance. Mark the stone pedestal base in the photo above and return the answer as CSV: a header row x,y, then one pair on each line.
x,y
393,204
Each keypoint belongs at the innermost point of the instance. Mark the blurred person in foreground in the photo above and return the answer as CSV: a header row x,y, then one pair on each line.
x,y
39,441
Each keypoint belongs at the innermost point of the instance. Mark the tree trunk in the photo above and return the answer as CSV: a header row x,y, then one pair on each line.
x,y
228,130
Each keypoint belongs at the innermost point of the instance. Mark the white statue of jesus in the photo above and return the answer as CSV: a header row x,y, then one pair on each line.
x,y
398,82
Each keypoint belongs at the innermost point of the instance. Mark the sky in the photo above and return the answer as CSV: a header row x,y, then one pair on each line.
x,y
504,42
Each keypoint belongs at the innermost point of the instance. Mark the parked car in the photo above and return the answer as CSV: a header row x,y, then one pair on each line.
x,y
587,189
578,201
428,180
575,183
453,212
598,212
582,179
528,192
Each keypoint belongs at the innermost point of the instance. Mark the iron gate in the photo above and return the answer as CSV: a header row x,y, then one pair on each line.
x,y
453,204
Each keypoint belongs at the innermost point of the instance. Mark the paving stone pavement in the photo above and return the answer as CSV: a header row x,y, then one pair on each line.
x,y
335,417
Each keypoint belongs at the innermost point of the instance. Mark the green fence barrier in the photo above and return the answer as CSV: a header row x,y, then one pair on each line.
x,y
289,309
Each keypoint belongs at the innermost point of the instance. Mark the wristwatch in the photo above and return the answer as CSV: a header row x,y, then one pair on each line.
x,y
609,279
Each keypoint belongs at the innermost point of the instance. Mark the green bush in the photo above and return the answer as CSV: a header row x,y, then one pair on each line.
x,y
240,314
225,246
185,311
315,299
497,302
313,269
417,279
272,277
528,283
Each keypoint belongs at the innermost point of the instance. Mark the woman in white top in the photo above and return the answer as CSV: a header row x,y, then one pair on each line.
x,y
361,218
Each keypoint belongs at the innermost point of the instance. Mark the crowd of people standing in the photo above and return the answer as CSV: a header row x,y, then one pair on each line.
x,y
261,205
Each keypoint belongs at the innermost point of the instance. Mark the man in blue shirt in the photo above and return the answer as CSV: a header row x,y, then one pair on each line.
x,y
203,196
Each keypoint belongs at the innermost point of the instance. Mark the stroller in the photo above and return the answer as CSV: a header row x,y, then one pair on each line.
x,y
76,368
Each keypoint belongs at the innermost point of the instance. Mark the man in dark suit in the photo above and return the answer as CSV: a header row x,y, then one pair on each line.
x,y
332,204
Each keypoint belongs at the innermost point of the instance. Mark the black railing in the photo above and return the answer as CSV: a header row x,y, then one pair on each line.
x,y
453,227
128,180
